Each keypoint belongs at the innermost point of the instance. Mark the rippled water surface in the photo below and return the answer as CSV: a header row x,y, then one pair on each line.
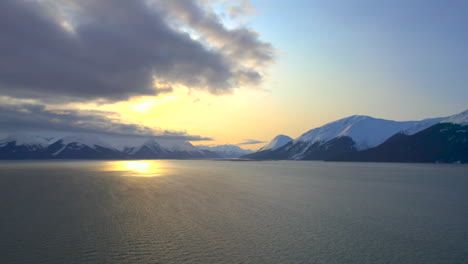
x,y
232,212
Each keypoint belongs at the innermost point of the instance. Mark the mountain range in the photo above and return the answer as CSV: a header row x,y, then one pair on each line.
x,y
227,151
91,147
364,138
354,138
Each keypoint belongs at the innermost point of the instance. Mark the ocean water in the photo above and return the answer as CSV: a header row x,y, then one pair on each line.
x,y
169,211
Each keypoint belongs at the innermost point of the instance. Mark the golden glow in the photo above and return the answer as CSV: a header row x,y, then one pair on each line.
x,y
146,168
137,166
229,119
143,106
146,104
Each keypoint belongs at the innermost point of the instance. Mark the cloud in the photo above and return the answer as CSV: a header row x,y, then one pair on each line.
x,y
251,142
61,51
244,8
36,117
241,46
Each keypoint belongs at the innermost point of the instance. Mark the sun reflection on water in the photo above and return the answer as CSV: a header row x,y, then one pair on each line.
x,y
147,168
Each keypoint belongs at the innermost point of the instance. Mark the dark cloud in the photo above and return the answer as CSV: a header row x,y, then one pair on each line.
x,y
251,142
77,50
34,117
241,46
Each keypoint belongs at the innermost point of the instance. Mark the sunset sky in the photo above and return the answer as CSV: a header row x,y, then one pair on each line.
x,y
227,72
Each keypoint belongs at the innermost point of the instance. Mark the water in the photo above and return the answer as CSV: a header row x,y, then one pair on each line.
x,y
232,212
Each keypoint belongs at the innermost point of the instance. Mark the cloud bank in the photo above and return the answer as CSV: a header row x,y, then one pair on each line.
x,y
36,117
59,51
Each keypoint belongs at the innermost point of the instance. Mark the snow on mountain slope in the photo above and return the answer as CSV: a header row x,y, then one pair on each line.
x,y
276,143
421,125
150,145
461,118
81,141
87,140
365,131
168,149
177,146
227,151
29,141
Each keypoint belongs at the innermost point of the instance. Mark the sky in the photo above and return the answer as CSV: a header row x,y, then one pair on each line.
x,y
227,71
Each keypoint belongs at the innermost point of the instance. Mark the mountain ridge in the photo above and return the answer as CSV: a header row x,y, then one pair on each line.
x,y
92,147
276,143
227,150
350,135
353,138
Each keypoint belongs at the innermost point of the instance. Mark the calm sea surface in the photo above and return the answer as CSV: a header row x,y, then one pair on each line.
x,y
232,212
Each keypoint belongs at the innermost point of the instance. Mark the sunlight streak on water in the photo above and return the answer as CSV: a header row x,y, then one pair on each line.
x,y
145,168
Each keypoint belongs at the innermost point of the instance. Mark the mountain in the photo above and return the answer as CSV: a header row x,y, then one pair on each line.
x,y
276,143
350,134
23,146
92,147
269,150
226,151
355,138
445,142
148,150
81,147
168,149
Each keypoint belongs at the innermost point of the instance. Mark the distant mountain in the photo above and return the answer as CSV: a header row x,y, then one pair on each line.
x,y
276,143
81,147
268,151
169,149
227,151
148,150
349,138
23,147
92,147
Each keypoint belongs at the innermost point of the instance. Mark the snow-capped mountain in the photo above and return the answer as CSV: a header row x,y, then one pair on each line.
x,y
446,141
168,149
178,146
351,135
269,150
276,143
31,142
23,146
92,147
147,149
365,131
226,151
83,146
